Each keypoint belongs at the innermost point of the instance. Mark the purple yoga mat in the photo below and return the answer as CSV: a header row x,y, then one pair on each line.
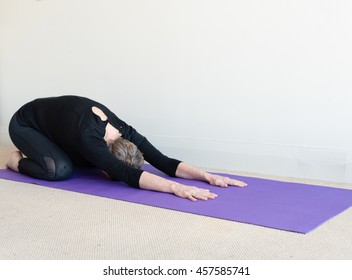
x,y
275,204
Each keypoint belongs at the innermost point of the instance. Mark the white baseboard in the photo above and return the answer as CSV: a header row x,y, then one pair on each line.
x,y
279,160
272,159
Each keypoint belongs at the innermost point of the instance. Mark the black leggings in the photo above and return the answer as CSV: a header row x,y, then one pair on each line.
x,y
44,159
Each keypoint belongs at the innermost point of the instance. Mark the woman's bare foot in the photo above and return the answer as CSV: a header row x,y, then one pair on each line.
x,y
13,161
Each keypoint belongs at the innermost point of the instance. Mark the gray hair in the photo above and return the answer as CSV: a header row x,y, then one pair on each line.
x,y
127,152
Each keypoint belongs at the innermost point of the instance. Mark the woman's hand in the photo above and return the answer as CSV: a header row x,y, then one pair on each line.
x,y
189,172
192,193
222,181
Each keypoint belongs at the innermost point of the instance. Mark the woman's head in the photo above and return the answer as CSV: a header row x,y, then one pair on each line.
x,y
127,152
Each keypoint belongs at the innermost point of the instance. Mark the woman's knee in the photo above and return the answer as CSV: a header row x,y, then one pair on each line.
x,y
58,170
64,171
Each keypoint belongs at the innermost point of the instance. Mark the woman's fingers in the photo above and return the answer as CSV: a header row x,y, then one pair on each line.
x,y
194,193
233,182
205,195
226,181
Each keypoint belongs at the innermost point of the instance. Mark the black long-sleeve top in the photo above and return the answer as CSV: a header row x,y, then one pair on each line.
x,y
69,122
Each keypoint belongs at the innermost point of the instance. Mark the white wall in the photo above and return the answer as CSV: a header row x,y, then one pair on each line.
x,y
259,86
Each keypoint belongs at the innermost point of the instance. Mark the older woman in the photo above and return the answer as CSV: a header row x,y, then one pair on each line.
x,y
56,133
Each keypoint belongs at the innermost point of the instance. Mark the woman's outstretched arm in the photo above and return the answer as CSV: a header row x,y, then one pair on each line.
x,y
189,172
153,182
